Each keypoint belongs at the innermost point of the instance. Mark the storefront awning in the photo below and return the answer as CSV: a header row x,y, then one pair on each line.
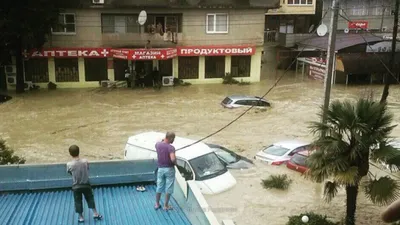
x,y
367,63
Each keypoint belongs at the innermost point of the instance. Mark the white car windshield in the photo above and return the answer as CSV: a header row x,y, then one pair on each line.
x,y
207,166
275,150
226,156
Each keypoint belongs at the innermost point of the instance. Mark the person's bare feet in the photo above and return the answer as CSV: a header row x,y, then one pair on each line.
x,y
167,207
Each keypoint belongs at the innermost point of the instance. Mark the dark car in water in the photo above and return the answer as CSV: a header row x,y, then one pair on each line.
x,y
230,159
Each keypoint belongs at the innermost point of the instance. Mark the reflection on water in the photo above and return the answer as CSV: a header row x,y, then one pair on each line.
x,y
41,125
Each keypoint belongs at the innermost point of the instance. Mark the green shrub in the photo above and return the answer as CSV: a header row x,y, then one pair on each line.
x,y
314,219
179,82
7,155
281,182
228,79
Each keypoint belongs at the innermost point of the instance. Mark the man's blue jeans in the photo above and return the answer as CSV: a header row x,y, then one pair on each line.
x,y
165,180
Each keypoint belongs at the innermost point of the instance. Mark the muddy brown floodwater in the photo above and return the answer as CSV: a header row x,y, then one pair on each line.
x,y
41,125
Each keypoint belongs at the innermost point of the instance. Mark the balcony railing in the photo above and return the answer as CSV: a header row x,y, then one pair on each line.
x,y
290,40
167,40
270,36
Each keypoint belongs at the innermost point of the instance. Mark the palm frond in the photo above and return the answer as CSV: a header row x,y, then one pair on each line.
x,y
348,177
385,153
330,190
382,191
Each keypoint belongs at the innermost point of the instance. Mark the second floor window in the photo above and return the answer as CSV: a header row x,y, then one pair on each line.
x,y
119,24
66,24
300,2
217,23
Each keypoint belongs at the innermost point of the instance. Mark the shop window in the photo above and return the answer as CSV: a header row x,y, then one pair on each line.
x,y
96,69
188,67
66,24
165,67
240,66
37,70
217,23
66,70
215,66
119,23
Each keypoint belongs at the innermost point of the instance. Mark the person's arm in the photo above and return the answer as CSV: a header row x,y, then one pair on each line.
x,y
392,213
69,169
172,155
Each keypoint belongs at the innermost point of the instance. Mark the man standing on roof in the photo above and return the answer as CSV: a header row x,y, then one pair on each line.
x,y
79,169
166,169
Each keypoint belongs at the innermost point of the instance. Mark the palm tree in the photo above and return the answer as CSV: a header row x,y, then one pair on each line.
x,y
354,134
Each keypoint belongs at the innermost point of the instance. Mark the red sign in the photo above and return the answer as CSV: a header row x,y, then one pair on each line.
x,y
69,53
152,54
358,24
316,72
216,50
317,60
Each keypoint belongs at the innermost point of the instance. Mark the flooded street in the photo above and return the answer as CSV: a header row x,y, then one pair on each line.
x,y
42,125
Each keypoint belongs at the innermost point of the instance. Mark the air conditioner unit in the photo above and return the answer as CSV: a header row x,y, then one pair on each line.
x,y
28,85
12,79
10,69
168,81
98,1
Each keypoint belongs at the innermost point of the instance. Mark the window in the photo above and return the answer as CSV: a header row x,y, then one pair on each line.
x,y
207,166
162,23
95,69
184,169
300,2
66,24
66,70
263,103
217,23
188,67
214,66
243,102
240,66
165,67
119,24
37,70
360,10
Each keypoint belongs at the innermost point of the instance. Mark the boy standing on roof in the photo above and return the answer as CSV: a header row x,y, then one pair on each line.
x,y
166,169
79,169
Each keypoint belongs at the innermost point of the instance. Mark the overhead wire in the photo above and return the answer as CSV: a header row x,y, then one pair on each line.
x,y
251,107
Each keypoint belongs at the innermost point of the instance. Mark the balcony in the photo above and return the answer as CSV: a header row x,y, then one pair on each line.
x,y
290,40
140,39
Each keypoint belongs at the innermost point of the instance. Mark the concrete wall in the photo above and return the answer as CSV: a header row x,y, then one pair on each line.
x,y
245,26
286,9
374,21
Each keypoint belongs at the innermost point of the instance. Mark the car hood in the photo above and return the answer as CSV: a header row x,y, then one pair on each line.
x,y
241,164
217,184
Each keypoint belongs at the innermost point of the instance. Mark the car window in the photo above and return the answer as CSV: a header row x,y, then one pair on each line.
x,y
184,169
227,101
263,103
225,156
276,150
299,149
299,159
241,102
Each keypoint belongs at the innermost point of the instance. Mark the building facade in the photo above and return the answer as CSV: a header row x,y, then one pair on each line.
x,y
197,42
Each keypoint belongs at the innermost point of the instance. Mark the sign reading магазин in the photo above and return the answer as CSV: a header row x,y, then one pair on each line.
x,y
216,50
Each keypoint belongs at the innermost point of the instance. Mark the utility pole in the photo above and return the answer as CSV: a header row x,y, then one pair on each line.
x,y
385,92
330,57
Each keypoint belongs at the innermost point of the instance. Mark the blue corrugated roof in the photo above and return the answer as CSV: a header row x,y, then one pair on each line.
x,y
118,205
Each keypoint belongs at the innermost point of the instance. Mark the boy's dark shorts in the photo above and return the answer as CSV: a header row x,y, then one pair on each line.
x,y
85,190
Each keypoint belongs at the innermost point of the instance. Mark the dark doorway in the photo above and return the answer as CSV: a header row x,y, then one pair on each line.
x,y
3,79
160,20
96,69
119,69
147,65
165,67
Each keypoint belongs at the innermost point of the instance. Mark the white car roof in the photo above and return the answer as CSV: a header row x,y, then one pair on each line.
x,y
292,144
148,140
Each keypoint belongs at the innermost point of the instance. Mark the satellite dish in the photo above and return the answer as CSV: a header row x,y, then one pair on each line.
x,y
322,30
311,28
142,17
346,30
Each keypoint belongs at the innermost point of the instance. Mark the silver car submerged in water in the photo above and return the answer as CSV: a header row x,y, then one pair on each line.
x,y
236,101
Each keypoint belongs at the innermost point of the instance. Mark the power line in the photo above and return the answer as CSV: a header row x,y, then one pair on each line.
x,y
251,107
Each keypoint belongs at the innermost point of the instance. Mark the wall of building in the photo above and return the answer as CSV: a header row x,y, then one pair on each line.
x,y
287,9
366,10
245,26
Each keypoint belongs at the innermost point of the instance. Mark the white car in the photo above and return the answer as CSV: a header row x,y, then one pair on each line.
x,y
281,152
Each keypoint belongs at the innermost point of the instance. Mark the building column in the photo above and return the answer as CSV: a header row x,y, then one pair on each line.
x,y
155,64
110,69
255,69
81,69
228,62
175,67
51,70
202,67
